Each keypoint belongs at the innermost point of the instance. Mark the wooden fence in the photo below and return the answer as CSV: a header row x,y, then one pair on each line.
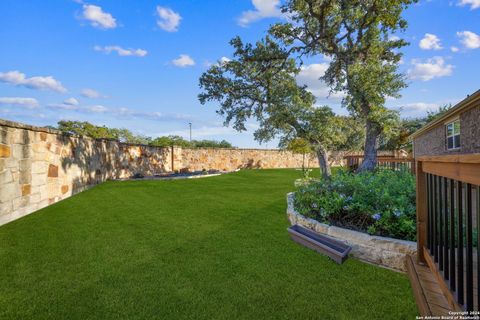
x,y
383,162
448,223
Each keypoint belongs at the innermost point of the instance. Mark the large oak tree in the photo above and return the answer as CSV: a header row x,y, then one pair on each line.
x,y
357,36
260,83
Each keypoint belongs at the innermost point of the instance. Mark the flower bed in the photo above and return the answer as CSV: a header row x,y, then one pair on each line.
x,y
380,203
382,251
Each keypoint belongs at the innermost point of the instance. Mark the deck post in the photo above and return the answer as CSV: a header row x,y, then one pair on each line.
x,y
421,212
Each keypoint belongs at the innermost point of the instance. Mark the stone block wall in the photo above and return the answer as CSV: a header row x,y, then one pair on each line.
x,y
39,166
232,159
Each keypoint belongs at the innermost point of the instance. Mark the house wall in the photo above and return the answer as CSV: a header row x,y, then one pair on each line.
x,y
470,131
433,142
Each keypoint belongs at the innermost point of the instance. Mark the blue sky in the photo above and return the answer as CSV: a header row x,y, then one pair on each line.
x,y
136,64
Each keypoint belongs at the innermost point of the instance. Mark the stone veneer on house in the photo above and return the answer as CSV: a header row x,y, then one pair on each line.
x,y
40,166
382,251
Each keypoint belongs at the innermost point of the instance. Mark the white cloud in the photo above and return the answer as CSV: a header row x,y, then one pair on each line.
x,y
97,17
454,49
183,61
430,42
469,39
17,78
121,51
219,62
29,103
310,76
168,19
126,113
96,109
263,9
71,101
430,69
21,115
83,109
418,107
223,60
63,106
92,94
474,4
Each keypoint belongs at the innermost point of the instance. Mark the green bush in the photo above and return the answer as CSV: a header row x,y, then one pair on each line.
x,y
380,203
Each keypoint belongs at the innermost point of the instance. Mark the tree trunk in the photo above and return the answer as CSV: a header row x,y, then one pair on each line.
x,y
322,156
370,152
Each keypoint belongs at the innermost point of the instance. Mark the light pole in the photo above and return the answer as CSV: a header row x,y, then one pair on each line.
x,y
190,124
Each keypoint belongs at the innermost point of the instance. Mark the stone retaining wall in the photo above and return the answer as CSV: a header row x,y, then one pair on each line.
x,y
383,251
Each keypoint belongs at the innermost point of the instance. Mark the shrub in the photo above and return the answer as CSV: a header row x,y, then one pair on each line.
x,y
380,203
138,175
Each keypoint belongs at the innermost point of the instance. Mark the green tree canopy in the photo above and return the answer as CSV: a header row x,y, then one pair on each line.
x,y
356,35
260,83
172,140
85,128
398,139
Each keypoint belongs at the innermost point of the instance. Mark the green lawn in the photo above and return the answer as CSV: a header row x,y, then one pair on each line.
x,y
213,248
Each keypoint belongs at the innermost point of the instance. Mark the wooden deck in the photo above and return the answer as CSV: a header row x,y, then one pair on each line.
x,y
431,300
445,284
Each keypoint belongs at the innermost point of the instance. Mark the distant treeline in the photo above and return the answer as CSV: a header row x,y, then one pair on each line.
x,y
85,128
397,139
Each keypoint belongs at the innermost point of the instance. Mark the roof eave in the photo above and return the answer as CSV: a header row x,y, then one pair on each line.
x,y
459,107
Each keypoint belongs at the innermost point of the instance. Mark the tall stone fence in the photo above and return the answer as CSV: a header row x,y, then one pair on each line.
x,y
40,166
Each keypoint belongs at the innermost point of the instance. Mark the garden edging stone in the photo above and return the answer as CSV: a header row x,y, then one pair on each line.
x,y
382,251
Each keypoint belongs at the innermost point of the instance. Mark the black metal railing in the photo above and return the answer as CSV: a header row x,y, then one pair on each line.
x,y
452,236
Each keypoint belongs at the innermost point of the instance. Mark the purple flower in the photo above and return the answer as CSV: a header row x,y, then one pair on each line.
x,y
397,213
376,216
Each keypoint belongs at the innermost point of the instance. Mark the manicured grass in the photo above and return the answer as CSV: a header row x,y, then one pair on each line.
x,y
213,248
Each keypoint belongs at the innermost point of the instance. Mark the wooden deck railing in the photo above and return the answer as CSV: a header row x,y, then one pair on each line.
x,y
383,162
448,223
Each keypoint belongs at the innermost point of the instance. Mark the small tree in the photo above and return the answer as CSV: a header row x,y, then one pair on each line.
x,y
356,35
399,139
434,114
303,147
211,144
172,140
85,128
